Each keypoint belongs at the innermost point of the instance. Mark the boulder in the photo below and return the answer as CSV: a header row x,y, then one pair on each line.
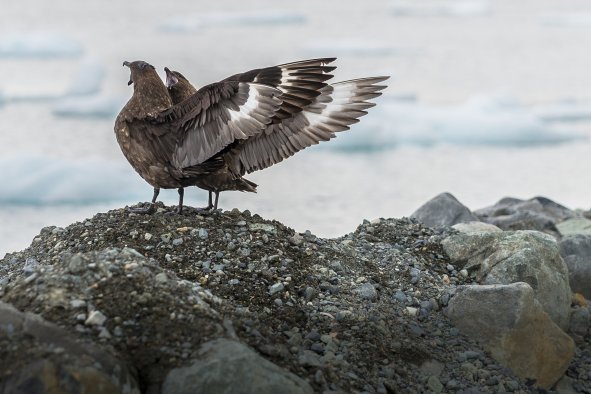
x,y
43,356
476,227
509,322
538,213
576,252
227,366
443,210
516,256
575,226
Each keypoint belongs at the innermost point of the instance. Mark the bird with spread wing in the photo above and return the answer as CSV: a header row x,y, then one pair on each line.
x,y
176,136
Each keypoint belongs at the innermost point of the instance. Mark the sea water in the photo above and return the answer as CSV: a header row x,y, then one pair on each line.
x,y
487,99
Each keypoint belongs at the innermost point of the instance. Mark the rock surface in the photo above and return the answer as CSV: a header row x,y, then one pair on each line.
x,y
476,227
576,252
517,256
575,226
509,321
443,210
358,313
226,366
38,356
538,213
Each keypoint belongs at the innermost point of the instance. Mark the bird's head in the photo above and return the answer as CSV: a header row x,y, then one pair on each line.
x,y
139,69
178,86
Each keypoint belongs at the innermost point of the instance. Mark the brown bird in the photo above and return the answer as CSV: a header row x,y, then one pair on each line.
x,y
211,137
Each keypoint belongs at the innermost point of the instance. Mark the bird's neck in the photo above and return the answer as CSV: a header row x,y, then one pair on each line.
x,y
150,91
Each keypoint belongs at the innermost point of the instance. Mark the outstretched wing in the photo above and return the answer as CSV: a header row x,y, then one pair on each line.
x,y
300,83
216,116
333,110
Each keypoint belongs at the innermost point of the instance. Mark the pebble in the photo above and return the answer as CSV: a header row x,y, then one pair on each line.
x,y
148,236
30,265
95,318
367,291
400,296
276,288
278,302
233,281
77,304
161,278
166,237
434,384
177,242
309,293
203,234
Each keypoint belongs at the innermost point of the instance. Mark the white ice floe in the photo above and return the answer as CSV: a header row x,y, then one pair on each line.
x,y
491,120
41,180
97,106
188,23
564,111
580,19
88,79
354,46
457,8
38,45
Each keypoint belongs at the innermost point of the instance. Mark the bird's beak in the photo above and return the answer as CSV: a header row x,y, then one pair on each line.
x,y
171,79
128,64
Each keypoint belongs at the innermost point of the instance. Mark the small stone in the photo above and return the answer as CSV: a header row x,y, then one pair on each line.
x,y
161,278
309,359
148,236
296,239
104,333
77,304
434,384
309,293
30,265
166,237
276,288
278,302
241,223
411,311
177,242
95,318
400,296
233,282
367,291
464,273
203,234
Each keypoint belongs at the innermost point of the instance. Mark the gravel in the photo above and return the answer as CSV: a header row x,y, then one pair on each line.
x,y
359,313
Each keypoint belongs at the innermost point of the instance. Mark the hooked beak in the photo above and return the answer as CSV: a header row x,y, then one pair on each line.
x,y
171,79
128,64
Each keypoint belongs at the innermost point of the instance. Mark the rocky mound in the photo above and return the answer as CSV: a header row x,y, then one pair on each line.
x,y
168,302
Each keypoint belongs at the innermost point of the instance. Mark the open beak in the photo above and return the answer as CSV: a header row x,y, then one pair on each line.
x,y
171,79
128,64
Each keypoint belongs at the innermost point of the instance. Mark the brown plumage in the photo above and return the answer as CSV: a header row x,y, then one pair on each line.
x,y
211,137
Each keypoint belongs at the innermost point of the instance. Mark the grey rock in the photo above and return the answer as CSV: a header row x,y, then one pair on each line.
x,y
203,234
575,226
95,318
276,288
443,210
576,252
81,365
516,256
510,324
579,321
476,227
538,213
434,384
226,366
367,291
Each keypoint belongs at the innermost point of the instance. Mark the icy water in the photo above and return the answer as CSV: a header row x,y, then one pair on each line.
x,y
488,99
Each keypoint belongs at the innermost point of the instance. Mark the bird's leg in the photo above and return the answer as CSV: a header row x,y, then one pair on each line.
x,y
209,205
181,194
215,205
150,208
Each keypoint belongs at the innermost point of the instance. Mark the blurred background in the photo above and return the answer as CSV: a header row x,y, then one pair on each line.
x,y
488,98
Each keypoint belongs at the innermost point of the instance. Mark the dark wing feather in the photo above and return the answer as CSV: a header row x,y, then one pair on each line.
x,y
300,83
214,117
333,110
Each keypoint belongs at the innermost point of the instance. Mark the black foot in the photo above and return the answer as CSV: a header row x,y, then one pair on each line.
x,y
149,210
